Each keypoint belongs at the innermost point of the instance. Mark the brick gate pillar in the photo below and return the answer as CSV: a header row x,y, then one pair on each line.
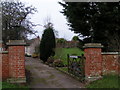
x,y
0,61
16,56
93,63
4,63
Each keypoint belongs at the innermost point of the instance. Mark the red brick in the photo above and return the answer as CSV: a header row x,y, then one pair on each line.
x,y
93,64
16,54
5,66
110,63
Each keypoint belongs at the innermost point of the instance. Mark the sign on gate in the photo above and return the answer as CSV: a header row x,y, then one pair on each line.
x,y
73,56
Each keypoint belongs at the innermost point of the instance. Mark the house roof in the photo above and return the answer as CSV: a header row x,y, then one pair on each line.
x,y
29,41
32,40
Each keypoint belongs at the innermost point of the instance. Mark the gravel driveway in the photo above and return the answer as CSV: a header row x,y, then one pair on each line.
x,y
44,76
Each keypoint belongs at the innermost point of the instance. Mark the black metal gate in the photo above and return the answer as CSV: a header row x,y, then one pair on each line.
x,y
76,66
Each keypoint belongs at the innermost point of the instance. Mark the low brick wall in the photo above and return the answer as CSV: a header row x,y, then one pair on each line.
x,y
5,65
109,62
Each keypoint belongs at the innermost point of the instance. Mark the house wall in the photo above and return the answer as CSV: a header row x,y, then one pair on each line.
x,y
29,50
32,48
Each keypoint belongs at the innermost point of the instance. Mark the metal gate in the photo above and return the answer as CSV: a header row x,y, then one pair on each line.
x,y
76,66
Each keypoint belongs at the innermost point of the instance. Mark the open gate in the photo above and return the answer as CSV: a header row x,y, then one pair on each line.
x,y
76,66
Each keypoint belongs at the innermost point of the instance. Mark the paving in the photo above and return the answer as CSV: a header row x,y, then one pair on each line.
x,y
44,76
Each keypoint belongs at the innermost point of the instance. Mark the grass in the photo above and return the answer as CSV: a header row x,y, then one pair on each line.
x,y
6,85
61,53
0,85
108,81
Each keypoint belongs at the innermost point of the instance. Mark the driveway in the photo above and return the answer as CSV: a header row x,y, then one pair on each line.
x,y
44,76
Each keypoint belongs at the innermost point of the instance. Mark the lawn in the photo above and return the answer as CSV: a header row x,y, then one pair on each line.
x,y
108,81
61,53
6,85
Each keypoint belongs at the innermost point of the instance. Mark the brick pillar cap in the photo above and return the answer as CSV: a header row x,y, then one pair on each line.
x,y
93,45
16,43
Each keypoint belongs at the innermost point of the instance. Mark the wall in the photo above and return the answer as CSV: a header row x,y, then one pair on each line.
x,y
96,64
109,62
68,44
99,63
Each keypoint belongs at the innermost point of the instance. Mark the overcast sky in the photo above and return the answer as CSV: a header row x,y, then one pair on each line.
x,y
50,8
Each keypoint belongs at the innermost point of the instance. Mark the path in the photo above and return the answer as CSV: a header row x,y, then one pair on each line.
x,y
44,76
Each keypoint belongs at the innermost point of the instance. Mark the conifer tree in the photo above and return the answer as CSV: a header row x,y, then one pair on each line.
x,y
47,44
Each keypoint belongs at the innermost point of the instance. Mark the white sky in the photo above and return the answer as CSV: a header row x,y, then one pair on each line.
x,y
49,8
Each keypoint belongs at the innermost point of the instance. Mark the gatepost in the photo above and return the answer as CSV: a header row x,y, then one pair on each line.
x,y
93,63
16,56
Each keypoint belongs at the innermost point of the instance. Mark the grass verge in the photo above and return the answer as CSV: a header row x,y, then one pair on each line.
x,y
6,85
108,81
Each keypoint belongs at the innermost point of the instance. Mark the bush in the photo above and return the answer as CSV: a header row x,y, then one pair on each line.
x,y
50,60
58,63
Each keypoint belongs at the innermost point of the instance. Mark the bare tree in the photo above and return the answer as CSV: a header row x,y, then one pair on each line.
x,y
48,24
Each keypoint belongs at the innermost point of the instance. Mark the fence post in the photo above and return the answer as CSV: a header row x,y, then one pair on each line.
x,y
93,62
68,61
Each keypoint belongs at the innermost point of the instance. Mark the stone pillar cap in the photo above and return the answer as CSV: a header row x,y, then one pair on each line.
x,y
16,42
1,41
93,45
